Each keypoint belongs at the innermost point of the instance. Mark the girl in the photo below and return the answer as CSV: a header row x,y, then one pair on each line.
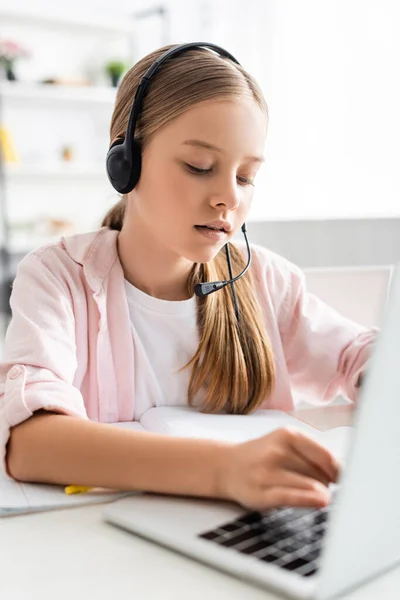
x,y
106,324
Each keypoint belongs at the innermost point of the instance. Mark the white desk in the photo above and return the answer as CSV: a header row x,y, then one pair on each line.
x,y
72,555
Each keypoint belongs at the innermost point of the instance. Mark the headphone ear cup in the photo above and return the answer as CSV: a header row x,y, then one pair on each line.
x,y
136,166
123,173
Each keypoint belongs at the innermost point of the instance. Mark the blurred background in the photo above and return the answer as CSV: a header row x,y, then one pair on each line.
x,y
328,197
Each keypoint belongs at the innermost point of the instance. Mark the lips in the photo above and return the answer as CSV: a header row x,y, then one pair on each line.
x,y
217,226
211,228
211,234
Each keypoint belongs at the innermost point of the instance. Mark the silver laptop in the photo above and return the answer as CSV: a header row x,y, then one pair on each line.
x,y
303,553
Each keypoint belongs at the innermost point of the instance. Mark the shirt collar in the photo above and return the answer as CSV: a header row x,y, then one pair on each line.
x,y
95,251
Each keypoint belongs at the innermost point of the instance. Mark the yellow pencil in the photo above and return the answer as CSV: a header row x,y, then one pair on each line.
x,y
77,489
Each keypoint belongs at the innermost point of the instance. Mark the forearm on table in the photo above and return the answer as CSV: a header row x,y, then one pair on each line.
x,y
60,449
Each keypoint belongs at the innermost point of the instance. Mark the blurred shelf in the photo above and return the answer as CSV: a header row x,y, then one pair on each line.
x,y
93,99
15,90
71,20
19,173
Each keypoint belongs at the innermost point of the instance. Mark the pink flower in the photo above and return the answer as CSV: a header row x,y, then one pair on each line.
x,y
10,50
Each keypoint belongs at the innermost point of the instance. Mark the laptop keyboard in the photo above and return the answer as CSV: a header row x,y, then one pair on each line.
x,y
290,538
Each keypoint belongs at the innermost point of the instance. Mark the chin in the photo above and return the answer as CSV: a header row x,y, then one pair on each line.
x,y
202,255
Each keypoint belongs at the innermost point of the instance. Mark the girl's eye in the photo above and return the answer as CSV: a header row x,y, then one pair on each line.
x,y
245,181
196,170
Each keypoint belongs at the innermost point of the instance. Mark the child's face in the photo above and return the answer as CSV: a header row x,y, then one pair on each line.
x,y
172,199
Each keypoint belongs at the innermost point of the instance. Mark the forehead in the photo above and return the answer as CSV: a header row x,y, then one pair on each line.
x,y
227,124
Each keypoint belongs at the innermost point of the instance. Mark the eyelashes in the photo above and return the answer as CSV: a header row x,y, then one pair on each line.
x,y
196,171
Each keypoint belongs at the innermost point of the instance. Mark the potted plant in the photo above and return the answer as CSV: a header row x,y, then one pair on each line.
x,y
9,52
115,68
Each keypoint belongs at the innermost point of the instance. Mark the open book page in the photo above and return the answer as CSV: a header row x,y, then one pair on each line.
x,y
187,422
20,498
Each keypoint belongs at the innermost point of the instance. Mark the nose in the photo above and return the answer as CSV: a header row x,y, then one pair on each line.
x,y
226,194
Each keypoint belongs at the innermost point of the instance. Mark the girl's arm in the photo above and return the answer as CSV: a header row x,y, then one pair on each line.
x,y
325,353
61,449
282,468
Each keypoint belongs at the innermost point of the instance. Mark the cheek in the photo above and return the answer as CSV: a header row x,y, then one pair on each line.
x,y
246,201
166,194
171,183
179,182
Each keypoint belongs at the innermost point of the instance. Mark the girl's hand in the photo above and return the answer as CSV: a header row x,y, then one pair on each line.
x,y
283,468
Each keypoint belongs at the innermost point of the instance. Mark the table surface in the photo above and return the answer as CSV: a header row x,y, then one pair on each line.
x,y
73,553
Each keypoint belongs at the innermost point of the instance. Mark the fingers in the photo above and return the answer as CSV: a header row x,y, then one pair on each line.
x,y
286,488
286,496
298,464
290,479
316,455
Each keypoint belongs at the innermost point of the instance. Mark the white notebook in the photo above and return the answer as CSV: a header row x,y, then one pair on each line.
x,y
186,422
19,498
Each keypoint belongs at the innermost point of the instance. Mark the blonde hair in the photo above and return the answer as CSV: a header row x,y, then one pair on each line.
x,y
234,362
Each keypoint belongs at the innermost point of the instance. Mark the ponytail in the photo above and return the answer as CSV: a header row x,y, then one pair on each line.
x,y
115,217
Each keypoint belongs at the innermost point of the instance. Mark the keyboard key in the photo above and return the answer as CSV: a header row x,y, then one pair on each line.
x,y
250,518
312,556
294,564
235,540
289,546
210,535
254,547
234,526
268,557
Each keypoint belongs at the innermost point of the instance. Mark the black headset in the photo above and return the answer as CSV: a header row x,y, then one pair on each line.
x,y
124,158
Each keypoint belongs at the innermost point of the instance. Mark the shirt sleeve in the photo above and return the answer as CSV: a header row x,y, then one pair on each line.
x,y
39,359
325,352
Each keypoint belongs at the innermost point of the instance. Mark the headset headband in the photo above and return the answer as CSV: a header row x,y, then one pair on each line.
x,y
152,70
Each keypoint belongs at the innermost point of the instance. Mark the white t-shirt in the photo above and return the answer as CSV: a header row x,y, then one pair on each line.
x,y
166,333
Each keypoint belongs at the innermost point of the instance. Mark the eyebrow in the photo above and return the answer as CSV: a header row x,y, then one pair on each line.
x,y
208,146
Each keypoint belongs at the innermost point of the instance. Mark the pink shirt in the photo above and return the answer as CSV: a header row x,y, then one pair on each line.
x,y
69,346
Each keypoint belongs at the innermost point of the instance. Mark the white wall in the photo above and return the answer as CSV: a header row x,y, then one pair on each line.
x,y
329,72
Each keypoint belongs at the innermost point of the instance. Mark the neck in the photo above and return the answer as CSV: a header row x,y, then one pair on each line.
x,y
151,267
